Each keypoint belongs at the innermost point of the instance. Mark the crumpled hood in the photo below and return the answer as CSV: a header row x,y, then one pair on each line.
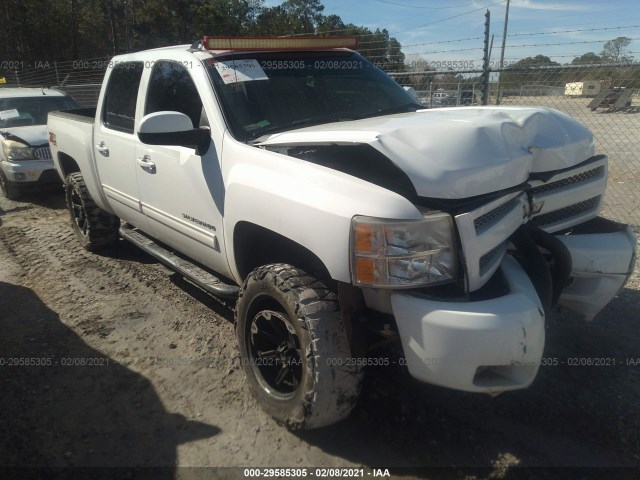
x,y
462,152
33,135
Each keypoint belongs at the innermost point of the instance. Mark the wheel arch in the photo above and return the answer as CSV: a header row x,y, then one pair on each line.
x,y
255,246
67,165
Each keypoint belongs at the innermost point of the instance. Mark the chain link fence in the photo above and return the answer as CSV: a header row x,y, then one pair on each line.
x,y
79,78
603,97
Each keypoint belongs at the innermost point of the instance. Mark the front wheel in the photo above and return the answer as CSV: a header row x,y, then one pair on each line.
x,y
94,227
9,189
294,348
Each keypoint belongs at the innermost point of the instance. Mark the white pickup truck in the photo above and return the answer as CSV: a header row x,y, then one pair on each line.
x,y
298,177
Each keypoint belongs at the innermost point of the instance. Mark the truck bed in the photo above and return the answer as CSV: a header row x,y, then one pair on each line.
x,y
86,115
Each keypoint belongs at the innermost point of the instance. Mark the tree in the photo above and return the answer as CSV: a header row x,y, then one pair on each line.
x,y
589,58
537,61
226,17
81,29
527,71
617,50
305,17
418,65
291,17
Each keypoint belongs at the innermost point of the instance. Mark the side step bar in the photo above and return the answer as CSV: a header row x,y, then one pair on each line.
x,y
187,269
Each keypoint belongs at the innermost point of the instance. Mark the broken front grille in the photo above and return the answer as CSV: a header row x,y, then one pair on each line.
x,y
566,213
572,181
494,216
566,199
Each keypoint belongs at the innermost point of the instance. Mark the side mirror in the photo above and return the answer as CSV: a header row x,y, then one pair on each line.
x,y
173,128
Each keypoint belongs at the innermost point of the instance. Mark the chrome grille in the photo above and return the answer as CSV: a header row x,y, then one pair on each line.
x,y
570,181
42,153
491,257
489,219
565,213
567,198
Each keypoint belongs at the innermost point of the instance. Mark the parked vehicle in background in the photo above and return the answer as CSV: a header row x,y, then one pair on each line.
x,y
294,175
442,99
25,159
467,97
588,88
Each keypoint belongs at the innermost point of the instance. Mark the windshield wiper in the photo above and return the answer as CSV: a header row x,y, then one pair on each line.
x,y
402,108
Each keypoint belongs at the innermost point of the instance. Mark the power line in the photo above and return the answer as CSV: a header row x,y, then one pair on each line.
x,y
407,30
441,42
569,31
446,51
562,43
450,18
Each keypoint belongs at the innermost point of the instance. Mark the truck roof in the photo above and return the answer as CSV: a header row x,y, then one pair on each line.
x,y
15,92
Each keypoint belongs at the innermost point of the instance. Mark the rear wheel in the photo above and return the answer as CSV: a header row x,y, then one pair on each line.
x,y
94,227
294,348
9,189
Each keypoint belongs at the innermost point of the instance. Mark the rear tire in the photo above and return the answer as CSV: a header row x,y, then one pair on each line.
x,y
9,189
94,227
294,348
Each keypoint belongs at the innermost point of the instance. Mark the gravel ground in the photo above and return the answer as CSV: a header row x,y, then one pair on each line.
x,y
161,384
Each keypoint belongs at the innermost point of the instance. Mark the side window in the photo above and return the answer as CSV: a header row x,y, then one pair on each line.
x,y
171,88
120,100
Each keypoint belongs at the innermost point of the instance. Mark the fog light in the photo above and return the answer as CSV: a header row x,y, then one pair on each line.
x,y
20,176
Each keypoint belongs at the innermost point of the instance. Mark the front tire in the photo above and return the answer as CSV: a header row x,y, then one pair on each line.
x,y
294,348
94,227
9,189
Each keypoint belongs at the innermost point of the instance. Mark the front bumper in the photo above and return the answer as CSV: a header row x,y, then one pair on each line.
x,y
30,172
496,345
488,346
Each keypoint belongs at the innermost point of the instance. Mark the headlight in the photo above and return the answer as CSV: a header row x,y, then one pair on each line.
x,y
14,150
409,253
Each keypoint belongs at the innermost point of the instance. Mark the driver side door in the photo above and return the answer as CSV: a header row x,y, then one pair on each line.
x,y
180,191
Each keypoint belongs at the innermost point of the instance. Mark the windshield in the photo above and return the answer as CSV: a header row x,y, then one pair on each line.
x,y
25,111
263,93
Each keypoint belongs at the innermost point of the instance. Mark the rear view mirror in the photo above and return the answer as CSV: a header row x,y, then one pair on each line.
x,y
173,128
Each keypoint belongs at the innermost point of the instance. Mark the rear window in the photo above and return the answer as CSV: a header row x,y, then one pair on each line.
x,y
119,111
26,111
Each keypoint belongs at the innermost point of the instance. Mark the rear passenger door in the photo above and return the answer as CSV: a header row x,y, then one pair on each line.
x,y
181,192
115,143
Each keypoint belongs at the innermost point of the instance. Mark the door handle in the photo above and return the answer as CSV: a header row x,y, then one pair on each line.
x,y
146,163
103,149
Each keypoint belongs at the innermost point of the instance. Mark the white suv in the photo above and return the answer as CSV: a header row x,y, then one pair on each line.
x,y
25,159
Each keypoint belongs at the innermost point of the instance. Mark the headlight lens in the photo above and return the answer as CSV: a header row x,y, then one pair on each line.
x,y
411,253
14,150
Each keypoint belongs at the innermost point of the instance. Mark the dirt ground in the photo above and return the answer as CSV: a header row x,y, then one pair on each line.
x,y
127,365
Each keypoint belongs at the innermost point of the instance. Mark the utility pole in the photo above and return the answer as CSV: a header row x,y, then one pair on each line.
x,y
485,60
504,41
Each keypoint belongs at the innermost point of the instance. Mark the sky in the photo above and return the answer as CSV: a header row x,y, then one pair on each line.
x,y
450,31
